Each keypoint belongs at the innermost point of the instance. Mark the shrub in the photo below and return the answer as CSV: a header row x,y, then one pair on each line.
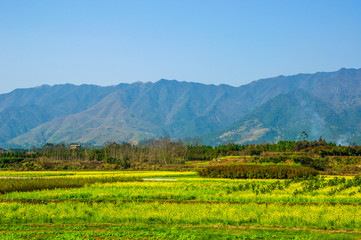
x,y
31,184
6,161
257,171
316,163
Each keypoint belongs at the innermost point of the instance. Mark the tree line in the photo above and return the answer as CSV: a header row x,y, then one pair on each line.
x,y
165,151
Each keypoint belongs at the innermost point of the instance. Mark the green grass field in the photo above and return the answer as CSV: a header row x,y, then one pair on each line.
x,y
122,205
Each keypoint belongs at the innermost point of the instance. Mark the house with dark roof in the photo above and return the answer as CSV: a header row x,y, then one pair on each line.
x,y
75,146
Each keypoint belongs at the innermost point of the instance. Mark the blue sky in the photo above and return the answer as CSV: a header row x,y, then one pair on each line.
x,y
214,42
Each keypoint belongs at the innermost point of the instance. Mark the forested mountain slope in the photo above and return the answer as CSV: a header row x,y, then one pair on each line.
x,y
326,104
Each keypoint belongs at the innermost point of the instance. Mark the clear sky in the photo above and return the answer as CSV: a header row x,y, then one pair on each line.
x,y
106,42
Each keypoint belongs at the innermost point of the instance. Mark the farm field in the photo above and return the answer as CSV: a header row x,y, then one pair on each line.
x,y
135,205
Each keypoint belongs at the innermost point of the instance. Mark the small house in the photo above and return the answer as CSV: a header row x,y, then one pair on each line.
x,y
75,146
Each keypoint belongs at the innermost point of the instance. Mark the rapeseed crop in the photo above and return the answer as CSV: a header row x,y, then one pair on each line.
x,y
121,200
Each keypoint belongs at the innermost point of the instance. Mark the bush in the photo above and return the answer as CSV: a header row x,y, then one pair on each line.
x,y
257,171
316,163
6,161
31,184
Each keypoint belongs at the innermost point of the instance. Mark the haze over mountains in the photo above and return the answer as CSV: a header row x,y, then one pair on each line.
x,y
279,108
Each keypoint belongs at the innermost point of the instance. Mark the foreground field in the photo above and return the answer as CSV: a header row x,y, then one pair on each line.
x,y
187,208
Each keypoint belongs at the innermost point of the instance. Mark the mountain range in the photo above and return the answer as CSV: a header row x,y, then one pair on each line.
x,y
326,104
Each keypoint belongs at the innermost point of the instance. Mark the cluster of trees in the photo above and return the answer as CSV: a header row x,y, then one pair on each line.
x,y
155,151
337,151
165,151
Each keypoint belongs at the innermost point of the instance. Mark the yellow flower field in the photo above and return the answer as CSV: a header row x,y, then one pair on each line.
x,y
188,207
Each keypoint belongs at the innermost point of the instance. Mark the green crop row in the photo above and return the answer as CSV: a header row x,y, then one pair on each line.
x,y
203,190
163,231
257,171
31,184
320,216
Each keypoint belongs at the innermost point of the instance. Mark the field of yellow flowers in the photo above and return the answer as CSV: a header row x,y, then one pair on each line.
x,y
176,205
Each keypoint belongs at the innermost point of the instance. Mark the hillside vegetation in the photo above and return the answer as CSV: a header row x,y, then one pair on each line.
x,y
163,154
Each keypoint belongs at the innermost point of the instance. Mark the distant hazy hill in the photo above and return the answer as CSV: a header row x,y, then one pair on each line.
x,y
323,104
284,117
